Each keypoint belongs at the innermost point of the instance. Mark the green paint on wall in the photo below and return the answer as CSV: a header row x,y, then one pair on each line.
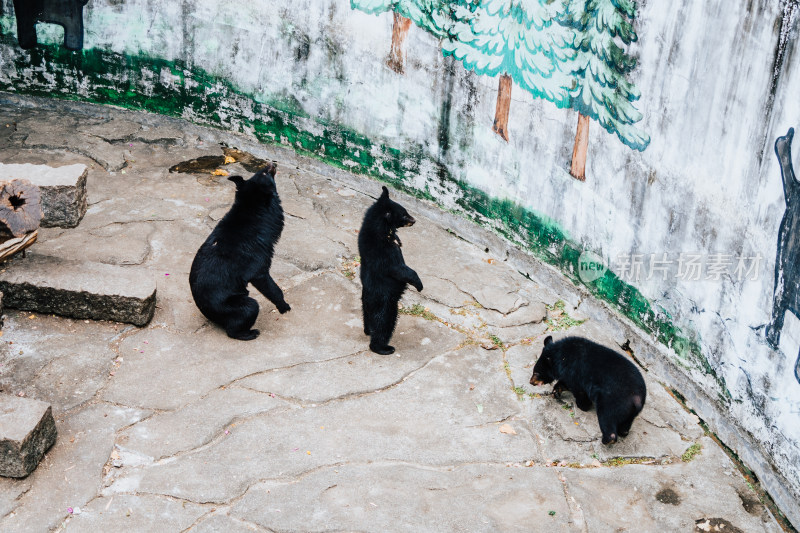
x,y
171,88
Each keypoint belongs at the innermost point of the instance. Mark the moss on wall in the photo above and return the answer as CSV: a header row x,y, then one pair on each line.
x,y
172,88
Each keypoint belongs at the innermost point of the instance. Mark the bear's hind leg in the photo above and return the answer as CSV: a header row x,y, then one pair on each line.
x,y
366,313
636,405
382,326
240,314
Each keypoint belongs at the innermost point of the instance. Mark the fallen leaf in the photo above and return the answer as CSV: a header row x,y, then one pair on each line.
x,y
508,430
480,408
32,317
229,159
220,172
471,385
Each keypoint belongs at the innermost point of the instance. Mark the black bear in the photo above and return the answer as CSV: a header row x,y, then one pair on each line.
x,y
384,273
239,251
787,263
595,375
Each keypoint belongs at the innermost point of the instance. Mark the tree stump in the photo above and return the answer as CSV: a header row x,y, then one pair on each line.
x,y
20,208
20,215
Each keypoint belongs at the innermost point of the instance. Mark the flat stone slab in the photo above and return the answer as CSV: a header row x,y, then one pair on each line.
x,y
79,289
27,430
402,497
63,190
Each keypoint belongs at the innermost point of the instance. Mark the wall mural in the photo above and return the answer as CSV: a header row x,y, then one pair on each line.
x,y
571,53
787,263
66,13
427,14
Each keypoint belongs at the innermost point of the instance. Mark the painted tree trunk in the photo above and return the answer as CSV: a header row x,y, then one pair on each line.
x,y
500,126
578,169
400,28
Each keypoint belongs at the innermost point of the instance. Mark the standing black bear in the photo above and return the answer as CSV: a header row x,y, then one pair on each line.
x,y
594,374
384,273
239,251
787,264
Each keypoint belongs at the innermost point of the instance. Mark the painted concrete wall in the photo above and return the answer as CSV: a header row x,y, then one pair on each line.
x,y
719,83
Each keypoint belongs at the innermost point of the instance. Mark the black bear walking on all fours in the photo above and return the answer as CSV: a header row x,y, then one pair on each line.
x,y
384,273
239,251
595,375
787,263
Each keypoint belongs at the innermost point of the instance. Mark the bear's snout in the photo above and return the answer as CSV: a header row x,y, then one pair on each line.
x,y
408,220
536,380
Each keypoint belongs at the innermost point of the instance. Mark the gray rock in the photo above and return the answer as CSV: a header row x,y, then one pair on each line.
x,y
79,289
137,513
27,430
63,190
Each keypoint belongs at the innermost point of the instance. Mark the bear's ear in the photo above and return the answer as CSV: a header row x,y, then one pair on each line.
x,y
238,180
385,193
548,340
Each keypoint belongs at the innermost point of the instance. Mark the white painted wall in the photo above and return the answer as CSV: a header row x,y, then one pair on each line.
x,y
705,73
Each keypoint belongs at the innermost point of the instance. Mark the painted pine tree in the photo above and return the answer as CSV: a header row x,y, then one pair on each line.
x,y
519,40
600,68
427,14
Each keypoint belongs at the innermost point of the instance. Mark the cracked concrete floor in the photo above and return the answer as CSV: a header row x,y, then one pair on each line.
x,y
175,427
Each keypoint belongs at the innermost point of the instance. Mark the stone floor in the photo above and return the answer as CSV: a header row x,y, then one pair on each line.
x,y
175,427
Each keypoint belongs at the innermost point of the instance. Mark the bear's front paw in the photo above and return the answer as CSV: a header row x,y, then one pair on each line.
x,y
284,308
611,438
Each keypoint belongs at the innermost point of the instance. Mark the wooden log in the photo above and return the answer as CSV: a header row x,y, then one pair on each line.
x,y
12,246
20,207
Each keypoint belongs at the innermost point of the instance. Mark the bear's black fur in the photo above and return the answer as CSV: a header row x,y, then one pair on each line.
x,y
384,273
595,375
239,251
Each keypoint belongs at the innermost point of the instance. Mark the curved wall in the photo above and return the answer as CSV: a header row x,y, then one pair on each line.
x,y
718,83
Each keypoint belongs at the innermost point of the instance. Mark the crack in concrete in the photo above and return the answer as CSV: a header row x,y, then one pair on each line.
x,y
224,510
495,422
17,501
459,289
349,395
293,365
576,517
